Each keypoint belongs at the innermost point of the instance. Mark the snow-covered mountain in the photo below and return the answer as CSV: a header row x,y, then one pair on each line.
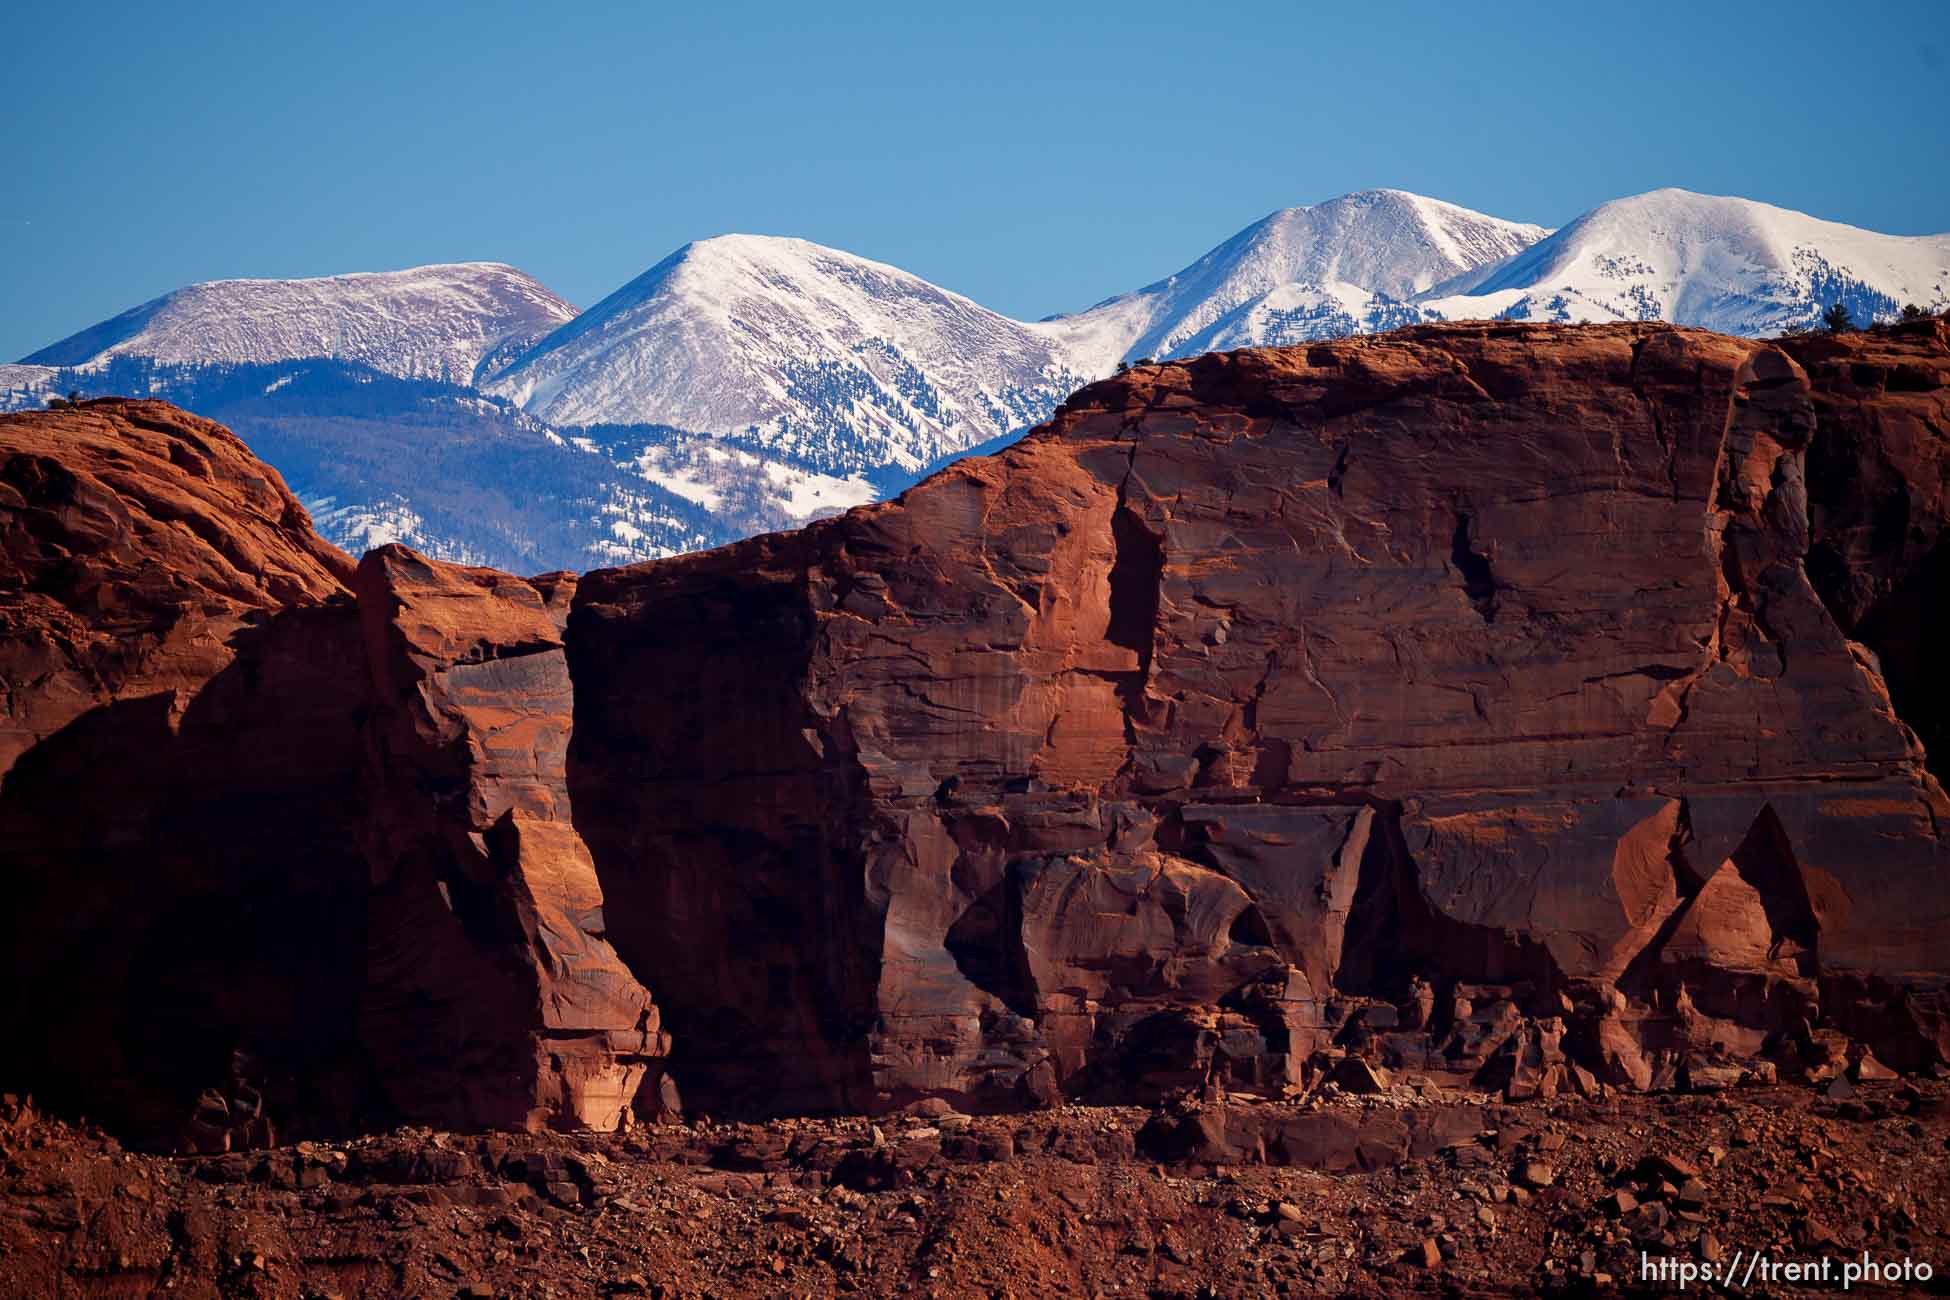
x,y
27,388
446,469
1349,265
748,383
1727,264
812,355
432,322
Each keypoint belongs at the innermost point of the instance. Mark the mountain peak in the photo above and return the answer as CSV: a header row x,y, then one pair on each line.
x,y
1726,263
431,322
783,261
829,358
1342,254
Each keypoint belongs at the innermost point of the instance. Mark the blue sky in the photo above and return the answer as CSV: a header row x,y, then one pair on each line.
x,y
1036,161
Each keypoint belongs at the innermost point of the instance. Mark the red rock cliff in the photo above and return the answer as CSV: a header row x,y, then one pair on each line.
x,y
492,999
273,859
180,763
1539,706
1458,698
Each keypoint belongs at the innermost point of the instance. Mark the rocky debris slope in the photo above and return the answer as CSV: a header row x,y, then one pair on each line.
x,y
1567,1197
1456,700
214,798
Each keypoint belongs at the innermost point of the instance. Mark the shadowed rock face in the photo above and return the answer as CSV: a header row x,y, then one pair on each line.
x,y
229,811
1538,706
1878,504
179,751
1459,695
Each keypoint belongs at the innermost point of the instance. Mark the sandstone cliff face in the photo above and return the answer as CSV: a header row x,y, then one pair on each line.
x,y
180,759
1458,697
492,999
132,531
1535,706
219,789
1879,503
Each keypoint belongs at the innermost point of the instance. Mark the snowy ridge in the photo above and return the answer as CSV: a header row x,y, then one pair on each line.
x,y
829,360
838,364
432,322
1296,313
1334,268
1726,264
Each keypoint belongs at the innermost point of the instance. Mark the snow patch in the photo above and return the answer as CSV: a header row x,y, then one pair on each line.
x,y
362,526
804,495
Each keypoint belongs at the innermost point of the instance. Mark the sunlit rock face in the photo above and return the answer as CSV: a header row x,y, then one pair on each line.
x,y
492,998
1458,697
